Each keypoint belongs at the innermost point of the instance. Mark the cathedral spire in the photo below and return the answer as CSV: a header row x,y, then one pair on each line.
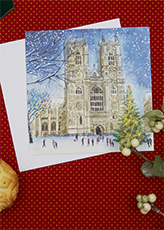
x,y
103,39
83,35
84,39
115,37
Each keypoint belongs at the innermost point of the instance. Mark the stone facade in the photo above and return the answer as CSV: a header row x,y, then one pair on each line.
x,y
93,101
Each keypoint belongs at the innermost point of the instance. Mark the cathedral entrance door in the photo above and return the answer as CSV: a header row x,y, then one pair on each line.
x,y
98,130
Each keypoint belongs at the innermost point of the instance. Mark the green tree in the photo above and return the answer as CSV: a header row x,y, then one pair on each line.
x,y
130,126
37,104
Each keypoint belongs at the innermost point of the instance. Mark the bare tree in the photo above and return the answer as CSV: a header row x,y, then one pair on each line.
x,y
45,57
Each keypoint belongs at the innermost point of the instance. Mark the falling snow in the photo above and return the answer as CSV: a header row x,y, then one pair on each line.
x,y
135,56
135,59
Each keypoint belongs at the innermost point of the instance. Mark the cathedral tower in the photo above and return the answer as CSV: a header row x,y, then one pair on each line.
x,y
76,72
109,62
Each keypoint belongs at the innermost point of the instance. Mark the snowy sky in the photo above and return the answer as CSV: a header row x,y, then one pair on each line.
x,y
135,58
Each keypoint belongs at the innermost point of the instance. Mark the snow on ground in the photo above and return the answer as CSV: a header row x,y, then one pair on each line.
x,y
68,145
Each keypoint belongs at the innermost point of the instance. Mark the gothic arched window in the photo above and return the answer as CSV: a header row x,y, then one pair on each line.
x,y
59,125
78,90
110,59
44,126
80,120
121,92
96,99
114,92
53,126
78,58
114,116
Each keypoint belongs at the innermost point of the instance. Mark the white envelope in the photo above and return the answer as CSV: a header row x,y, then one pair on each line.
x,y
13,82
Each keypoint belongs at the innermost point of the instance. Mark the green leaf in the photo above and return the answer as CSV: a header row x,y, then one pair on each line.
x,y
154,114
147,168
162,107
158,168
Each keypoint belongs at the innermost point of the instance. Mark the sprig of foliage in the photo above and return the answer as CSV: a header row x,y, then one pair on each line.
x,y
156,119
146,203
156,114
153,168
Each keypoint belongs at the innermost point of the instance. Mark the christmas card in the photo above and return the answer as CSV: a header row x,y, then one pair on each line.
x,y
86,89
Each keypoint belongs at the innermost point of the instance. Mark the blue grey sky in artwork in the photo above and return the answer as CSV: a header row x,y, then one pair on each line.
x,y
135,58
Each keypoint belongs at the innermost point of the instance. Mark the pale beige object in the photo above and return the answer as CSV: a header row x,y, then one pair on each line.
x,y
143,211
9,185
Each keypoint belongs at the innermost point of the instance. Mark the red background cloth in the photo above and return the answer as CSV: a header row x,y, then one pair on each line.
x,y
97,192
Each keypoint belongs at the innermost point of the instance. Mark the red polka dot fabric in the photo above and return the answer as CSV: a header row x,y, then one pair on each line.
x,y
97,192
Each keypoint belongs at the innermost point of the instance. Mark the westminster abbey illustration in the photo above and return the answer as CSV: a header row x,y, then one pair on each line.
x,y
93,100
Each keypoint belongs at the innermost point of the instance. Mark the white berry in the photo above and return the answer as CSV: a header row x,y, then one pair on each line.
x,y
126,151
152,198
162,121
159,125
143,211
135,142
146,207
155,130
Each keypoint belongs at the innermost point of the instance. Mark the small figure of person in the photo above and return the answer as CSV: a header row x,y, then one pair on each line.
x,y
44,143
92,142
148,143
107,140
56,144
88,142
110,142
76,137
102,138
53,144
82,141
97,140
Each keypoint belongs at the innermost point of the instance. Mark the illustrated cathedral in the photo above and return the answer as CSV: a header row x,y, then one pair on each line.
x,y
93,100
